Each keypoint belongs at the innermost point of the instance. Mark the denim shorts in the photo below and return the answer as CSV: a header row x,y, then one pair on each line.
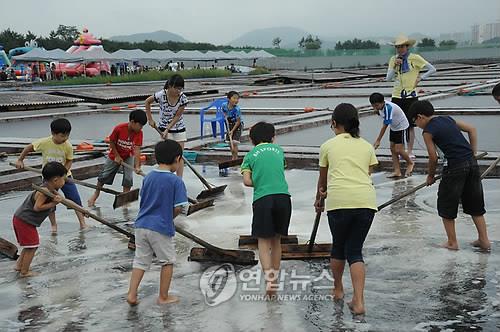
x,y
110,169
461,183
349,228
71,192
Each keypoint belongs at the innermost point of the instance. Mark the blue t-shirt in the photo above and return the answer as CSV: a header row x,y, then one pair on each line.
x,y
448,137
233,114
161,192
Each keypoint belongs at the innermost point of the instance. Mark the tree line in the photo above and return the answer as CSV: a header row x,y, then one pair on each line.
x,y
64,36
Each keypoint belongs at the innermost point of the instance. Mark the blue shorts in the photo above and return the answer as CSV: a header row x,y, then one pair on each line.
x,y
349,228
71,192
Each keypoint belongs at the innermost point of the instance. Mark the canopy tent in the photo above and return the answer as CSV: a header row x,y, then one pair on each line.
x,y
40,54
130,55
99,54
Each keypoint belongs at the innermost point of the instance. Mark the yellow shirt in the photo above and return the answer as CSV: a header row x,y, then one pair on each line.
x,y
349,185
54,152
405,82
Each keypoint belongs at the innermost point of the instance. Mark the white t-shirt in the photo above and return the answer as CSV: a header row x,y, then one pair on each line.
x,y
394,117
167,111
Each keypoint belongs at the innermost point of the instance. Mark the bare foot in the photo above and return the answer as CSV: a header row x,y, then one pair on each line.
x,y
168,300
409,169
132,300
53,230
394,175
28,274
356,309
450,245
83,226
91,201
338,293
485,245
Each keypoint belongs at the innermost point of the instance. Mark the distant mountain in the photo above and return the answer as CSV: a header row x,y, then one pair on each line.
x,y
158,36
264,37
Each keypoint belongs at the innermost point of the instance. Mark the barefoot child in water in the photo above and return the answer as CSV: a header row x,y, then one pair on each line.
x,y
344,178
172,102
461,180
163,196
32,212
395,118
124,147
232,113
263,169
57,148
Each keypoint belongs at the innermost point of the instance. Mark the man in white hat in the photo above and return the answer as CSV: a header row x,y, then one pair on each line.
x,y
405,67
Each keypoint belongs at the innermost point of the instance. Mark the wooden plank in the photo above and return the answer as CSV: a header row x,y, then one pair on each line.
x,y
8,249
204,255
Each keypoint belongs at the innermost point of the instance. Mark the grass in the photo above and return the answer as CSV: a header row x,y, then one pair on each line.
x,y
259,71
147,76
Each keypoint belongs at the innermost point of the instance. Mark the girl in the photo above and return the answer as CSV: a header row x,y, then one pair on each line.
x,y
172,103
345,162
232,113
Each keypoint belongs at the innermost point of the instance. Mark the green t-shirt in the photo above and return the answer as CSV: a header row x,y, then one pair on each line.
x,y
266,161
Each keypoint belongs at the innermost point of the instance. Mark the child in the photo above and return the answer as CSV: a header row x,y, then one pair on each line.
x,y
344,172
461,181
125,147
394,117
57,148
163,196
32,212
263,168
172,103
232,113
496,92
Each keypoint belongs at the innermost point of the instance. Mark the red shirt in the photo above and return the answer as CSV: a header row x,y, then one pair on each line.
x,y
124,140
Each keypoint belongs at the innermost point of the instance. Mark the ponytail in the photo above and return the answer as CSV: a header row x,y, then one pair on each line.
x,y
346,115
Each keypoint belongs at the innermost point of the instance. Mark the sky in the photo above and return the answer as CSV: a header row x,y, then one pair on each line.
x,y
220,21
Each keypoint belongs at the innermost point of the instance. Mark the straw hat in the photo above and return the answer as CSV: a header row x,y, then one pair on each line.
x,y
404,40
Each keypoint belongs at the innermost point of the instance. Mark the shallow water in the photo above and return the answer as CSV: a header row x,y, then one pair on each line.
x,y
410,283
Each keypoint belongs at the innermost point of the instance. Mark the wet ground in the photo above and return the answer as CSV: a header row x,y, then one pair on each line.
x,y
411,284
486,125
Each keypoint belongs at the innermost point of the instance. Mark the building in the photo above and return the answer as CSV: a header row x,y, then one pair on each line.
x,y
483,32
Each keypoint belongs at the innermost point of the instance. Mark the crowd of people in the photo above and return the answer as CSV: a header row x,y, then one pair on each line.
x,y
344,187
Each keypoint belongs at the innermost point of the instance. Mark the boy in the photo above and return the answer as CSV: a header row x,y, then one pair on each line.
x,y
32,212
57,148
461,179
125,147
496,92
263,168
232,113
394,117
163,196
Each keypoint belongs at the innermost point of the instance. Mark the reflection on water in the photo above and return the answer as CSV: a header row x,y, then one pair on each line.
x,y
410,284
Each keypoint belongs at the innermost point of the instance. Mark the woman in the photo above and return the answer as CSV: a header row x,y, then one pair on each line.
x,y
404,68
345,162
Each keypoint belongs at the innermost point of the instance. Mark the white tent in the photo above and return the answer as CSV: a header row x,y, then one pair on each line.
x,y
40,54
130,55
160,55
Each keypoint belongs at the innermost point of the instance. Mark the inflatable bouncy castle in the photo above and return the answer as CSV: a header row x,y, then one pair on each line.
x,y
86,42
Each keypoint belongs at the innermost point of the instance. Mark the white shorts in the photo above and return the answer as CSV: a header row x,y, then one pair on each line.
x,y
147,243
178,137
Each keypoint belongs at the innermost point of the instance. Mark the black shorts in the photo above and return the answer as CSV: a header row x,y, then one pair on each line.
x,y
271,215
237,133
461,183
349,228
405,104
397,137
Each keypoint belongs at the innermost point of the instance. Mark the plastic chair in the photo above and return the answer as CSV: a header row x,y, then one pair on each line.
x,y
218,118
